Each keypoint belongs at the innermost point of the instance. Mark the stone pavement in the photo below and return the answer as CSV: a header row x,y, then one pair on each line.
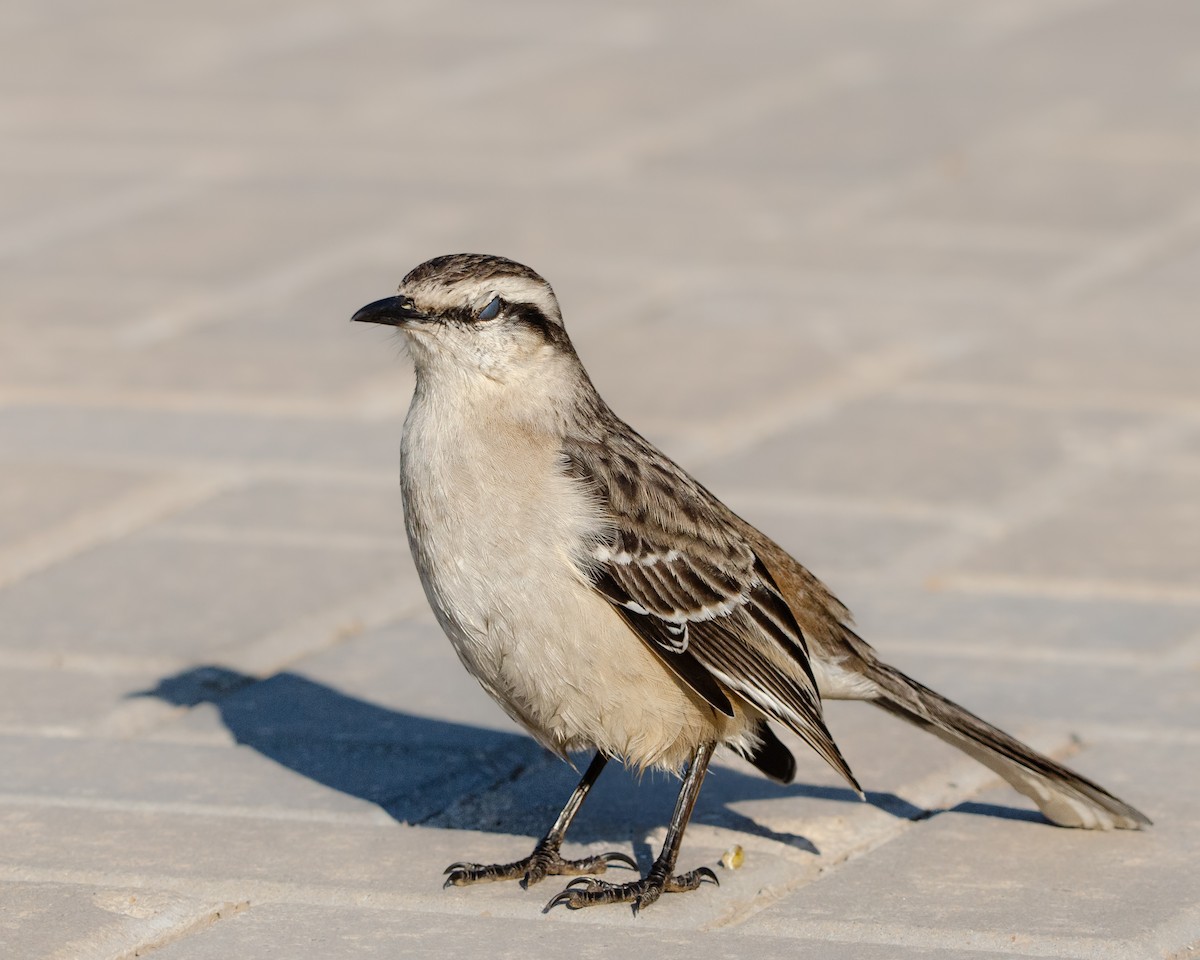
x,y
911,283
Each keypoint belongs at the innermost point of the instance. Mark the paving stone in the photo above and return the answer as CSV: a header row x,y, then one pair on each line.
x,y
395,703
830,542
304,932
59,920
71,699
1101,349
349,863
39,432
409,667
912,285
1037,192
134,776
149,845
1132,691
373,514
182,598
412,766
913,450
1139,527
1005,623
644,353
1009,884
214,363
1162,291
37,495
190,240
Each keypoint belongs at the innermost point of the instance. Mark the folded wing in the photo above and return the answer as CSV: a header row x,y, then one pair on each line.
x,y
675,568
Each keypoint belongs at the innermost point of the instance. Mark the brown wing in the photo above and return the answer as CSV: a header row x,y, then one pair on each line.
x,y
677,569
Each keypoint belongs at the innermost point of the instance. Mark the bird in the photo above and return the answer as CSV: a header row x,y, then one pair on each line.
x,y
609,602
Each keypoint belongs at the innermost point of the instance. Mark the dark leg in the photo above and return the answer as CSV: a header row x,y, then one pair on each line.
x,y
587,891
545,859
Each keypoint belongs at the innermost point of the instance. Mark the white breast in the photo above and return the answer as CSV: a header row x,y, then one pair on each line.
x,y
492,521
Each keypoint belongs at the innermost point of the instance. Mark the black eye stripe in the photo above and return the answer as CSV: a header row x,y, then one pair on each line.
x,y
523,314
531,316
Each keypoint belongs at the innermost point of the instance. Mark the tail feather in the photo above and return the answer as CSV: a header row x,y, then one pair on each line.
x,y
1063,796
771,756
851,666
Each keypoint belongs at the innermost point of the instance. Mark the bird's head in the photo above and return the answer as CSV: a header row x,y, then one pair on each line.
x,y
471,315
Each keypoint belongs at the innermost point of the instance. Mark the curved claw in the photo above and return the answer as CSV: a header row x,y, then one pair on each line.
x,y
584,883
615,857
704,873
566,897
458,865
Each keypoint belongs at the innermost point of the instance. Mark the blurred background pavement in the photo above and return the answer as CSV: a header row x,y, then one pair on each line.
x,y
913,284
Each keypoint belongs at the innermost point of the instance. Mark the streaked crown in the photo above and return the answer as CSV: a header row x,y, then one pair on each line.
x,y
457,281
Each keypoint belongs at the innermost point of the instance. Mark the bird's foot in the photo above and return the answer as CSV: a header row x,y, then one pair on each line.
x,y
588,891
543,862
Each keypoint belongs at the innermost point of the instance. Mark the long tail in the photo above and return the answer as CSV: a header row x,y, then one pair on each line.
x,y
1062,795
839,653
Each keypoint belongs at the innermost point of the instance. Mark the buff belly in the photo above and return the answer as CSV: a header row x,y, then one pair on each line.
x,y
523,618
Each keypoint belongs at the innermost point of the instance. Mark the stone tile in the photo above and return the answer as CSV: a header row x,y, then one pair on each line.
x,y
904,771
407,666
38,495
60,919
1114,352
670,359
40,432
705,352
43,323
388,753
893,448
40,196
1141,691
1169,281
189,599
1000,624
388,685
904,243
1141,526
227,781
68,700
217,364
343,864
191,240
815,822
1036,192
156,846
338,512
318,932
744,227
1010,884
830,542
237,343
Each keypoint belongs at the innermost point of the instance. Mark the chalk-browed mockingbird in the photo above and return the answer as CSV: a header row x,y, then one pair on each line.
x,y
607,600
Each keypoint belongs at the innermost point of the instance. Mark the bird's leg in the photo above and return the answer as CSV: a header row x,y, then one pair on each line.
x,y
546,859
588,891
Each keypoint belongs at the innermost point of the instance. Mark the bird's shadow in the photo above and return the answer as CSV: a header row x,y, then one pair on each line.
x,y
450,775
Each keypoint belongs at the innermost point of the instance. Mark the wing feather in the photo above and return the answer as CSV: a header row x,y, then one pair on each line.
x,y
677,568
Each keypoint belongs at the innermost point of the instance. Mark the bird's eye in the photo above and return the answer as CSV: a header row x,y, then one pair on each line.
x,y
491,311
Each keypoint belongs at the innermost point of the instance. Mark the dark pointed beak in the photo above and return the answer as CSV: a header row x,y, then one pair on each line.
x,y
396,311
